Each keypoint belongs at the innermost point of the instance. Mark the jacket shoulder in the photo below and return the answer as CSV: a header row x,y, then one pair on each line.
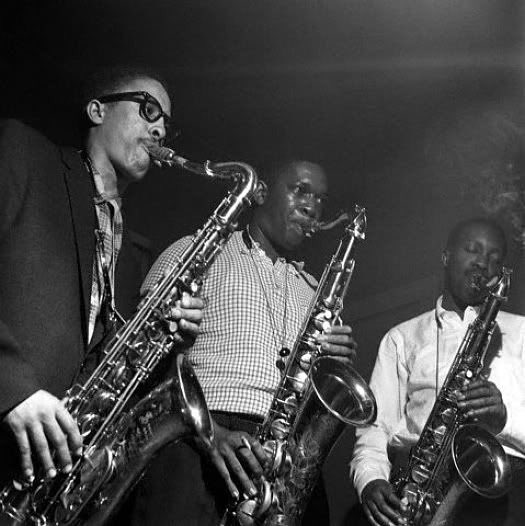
x,y
17,132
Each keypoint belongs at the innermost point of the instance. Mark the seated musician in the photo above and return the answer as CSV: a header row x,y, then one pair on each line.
x,y
413,361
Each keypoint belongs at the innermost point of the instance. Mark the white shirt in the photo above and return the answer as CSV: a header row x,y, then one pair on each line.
x,y
411,357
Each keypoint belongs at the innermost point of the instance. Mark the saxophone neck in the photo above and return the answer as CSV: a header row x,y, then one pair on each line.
x,y
242,174
355,224
500,289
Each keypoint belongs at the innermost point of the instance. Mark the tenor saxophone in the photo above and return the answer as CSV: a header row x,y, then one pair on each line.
x,y
451,455
120,438
316,398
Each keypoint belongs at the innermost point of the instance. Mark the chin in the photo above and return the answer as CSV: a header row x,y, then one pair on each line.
x,y
474,299
294,244
139,169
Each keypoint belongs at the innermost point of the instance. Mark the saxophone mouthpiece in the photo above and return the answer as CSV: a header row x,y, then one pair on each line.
x,y
317,226
162,155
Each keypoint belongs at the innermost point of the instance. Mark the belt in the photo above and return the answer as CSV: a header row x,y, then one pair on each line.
x,y
237,421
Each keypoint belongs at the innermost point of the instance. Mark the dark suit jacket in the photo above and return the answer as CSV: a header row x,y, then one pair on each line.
x,y
47,222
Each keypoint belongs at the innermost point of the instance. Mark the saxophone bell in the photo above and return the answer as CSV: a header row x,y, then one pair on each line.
x,y
343,392
481,461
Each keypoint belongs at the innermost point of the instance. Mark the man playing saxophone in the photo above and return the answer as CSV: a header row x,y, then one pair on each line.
x,y
61,234
256,297
413,361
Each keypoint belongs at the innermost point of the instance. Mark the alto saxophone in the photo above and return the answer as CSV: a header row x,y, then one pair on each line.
x,y
428,484
121,438
316,397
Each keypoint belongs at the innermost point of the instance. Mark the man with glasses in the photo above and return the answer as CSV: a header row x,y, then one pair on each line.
x,y
61,235
256,298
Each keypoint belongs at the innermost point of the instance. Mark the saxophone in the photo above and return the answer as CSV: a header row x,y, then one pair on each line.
x,y
316,397
428,484
121,437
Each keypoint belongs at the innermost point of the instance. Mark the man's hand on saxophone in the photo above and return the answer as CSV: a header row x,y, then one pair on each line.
x,y
44,432
338,341
481,401
381,505
240,460
185,319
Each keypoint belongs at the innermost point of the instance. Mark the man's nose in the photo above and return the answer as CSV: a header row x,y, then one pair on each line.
x,y
311,208
482,261
158,130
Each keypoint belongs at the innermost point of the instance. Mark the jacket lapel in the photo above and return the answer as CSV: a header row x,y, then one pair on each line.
x,y
80,190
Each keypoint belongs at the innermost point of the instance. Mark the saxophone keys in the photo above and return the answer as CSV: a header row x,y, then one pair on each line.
x,y
299,381
448,416
280,428
420,474
326,326
87,423
290,404
427,455
439,434
305,361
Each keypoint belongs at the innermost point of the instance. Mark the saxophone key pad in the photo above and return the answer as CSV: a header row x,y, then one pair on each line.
x,y
305,361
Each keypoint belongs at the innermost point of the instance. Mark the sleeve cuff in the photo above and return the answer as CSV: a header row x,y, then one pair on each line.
x,y
369,474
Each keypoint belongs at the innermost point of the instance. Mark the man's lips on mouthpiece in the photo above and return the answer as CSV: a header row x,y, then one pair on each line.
x,y
477,280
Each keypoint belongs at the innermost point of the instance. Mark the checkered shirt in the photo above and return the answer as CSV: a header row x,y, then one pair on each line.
x,y
235,354
110,226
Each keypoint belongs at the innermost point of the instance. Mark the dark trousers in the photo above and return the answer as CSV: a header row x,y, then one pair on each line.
x,y
183,488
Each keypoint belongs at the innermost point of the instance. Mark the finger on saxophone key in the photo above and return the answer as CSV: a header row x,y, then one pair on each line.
x,y
246,444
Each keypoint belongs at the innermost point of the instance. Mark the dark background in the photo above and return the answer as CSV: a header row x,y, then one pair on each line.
x,y
408,105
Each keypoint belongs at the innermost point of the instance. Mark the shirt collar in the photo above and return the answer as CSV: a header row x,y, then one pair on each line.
x,y
98,182
443,315
250,244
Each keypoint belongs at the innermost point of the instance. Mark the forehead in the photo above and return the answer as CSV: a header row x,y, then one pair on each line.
x,y
481,233
153,87
308,173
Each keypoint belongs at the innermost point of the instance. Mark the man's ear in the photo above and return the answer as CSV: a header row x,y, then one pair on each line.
x,y
260,195
444,257
95,111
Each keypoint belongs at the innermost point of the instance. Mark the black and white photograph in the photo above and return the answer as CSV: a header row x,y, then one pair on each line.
x,y
262,263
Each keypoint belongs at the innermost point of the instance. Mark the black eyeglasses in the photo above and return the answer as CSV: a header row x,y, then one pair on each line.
x,y
149,107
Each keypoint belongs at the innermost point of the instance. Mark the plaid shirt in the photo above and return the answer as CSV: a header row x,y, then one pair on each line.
x,y
110,228
244,327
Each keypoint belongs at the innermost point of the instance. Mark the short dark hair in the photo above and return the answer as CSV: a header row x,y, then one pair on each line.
x,y
273,171
458,229
108,80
